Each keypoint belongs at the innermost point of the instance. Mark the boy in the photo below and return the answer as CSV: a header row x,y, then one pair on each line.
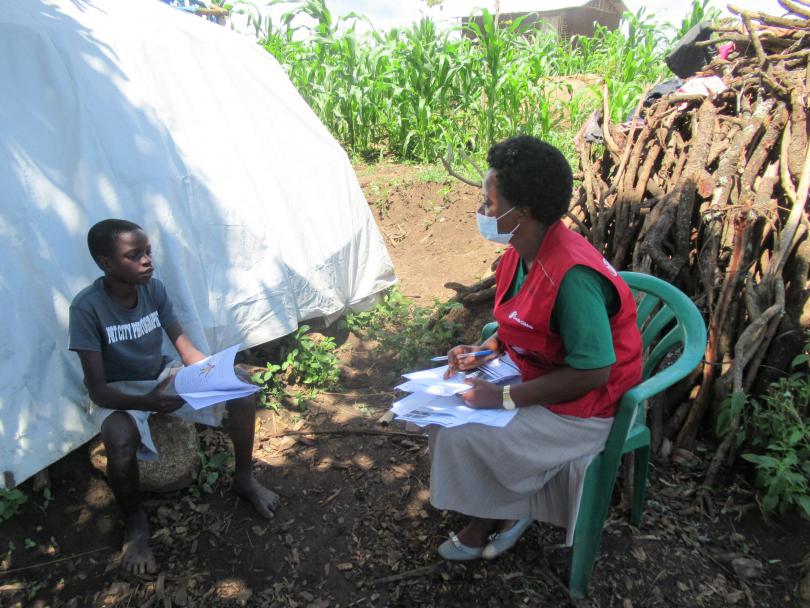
x,y
115,327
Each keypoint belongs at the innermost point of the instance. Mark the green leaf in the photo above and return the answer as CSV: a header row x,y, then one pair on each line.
x,y
763,461
799,359
803,503
218,459
795,436
769,502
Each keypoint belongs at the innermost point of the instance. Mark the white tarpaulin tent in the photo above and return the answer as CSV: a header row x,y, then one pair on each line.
x,y
135,110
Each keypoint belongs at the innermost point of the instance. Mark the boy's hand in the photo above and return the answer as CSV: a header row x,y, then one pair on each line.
x,y
242,375
162,402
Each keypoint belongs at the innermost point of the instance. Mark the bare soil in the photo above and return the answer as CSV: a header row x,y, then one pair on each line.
x,y
356,527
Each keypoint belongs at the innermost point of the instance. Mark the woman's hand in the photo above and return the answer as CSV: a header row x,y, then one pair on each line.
x,y
457,362
483,395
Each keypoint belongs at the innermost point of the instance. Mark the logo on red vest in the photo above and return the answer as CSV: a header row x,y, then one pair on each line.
x,y
514,316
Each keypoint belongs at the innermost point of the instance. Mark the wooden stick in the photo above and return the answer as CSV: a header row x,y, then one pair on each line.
x,y
761,152
742,354
549,574
415,573
468,159
767,19
346,432
585,232
793,55
796,9
212,12
797,144
460,289
717,323
588,187
609,143
786,243
479,296
752,33
447,162
51,562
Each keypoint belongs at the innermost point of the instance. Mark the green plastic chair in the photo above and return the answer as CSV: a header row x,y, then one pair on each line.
x,y
667,319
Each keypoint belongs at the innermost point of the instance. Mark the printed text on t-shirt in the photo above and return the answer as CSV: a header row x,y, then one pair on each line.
x,y
134,330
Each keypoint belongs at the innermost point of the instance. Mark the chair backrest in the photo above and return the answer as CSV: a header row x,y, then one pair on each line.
x,y
667,319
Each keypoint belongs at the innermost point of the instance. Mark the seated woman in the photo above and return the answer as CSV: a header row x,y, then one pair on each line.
x,y
569,322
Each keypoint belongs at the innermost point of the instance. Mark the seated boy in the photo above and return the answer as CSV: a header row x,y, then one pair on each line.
x,y
115,327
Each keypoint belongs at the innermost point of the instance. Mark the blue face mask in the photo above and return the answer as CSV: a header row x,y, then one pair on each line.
x,y
488,227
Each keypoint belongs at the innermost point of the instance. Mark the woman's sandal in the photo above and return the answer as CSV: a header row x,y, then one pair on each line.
x,y
456,551
503,541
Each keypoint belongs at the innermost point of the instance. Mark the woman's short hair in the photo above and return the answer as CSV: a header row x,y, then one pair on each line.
x,y
102,236
533,174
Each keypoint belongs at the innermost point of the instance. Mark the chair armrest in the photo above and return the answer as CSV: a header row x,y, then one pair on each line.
x,y
660,381
639,394
621,425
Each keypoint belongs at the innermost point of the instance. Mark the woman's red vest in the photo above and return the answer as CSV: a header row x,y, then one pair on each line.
x,y
524,322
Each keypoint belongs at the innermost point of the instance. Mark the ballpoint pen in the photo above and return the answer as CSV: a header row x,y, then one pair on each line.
x,y
476,354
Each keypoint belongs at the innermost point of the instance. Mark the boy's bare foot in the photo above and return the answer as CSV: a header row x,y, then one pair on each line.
x,y
136,555
263,500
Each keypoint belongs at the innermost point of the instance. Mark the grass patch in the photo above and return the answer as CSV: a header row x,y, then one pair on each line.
x,y
309,367
408,333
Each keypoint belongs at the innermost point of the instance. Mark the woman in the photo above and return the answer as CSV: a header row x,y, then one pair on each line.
x,y
569,322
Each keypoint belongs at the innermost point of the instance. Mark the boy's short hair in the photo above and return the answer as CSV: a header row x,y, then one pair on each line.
x,y
102,236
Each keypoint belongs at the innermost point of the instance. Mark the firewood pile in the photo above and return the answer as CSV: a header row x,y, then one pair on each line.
x,y
709,193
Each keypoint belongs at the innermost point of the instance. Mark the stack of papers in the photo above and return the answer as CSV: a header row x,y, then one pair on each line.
x,y
434,400
212,381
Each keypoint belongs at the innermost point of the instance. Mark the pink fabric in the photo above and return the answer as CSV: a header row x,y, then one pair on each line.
x,y
724,50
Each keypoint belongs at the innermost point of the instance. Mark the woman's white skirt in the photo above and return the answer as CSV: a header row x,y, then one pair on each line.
x,y
533,467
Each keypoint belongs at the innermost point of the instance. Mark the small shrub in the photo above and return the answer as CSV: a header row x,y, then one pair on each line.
x,y
310,367
210,473
776,428
47,498
394,309
272,386
410,333
10,503
311,362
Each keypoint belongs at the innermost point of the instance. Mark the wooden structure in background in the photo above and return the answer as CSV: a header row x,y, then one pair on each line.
x,y
566,17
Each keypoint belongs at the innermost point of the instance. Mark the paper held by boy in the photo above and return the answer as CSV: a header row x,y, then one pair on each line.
x,y
434,400
212,380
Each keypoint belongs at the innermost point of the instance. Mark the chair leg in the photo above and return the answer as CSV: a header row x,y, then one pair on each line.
x,y
583,557
641,462
593,510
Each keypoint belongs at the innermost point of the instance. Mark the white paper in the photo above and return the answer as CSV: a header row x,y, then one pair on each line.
x,y
500,369
212,380
423,409
434,373
434,400
445,388
432,380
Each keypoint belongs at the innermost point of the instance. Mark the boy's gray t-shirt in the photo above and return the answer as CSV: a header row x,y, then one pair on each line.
x,y
129,340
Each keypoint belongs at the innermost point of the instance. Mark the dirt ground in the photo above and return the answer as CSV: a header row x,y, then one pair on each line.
x,y
356,527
